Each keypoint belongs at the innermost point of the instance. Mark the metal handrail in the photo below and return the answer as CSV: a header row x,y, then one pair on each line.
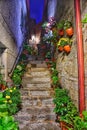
x,y
16,61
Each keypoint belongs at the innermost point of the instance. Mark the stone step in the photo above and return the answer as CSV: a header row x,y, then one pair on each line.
x,y
37,94
38,64
36,89
26,124
46,125
37,74
43,126
40,74
36,80
38,118
38,69
36,114
23,97
37,102
44,86
40,109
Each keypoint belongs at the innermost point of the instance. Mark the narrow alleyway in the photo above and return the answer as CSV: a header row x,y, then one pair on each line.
x,y
43,65
37,99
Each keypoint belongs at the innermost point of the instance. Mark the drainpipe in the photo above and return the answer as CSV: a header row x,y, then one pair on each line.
x,y
80,56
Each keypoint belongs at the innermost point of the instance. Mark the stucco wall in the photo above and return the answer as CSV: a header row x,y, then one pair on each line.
x,y
7,40
67,64
12,30
14,14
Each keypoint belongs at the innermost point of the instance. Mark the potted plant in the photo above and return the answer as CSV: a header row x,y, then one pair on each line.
x,y
68,28
70,115
60,27
80,123
64,108
64,44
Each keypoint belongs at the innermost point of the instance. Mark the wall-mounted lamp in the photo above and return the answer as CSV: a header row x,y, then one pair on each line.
x,y
33,37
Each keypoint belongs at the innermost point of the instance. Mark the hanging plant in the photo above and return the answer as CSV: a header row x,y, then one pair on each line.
x,y
68,28
64,44
60,27
84,19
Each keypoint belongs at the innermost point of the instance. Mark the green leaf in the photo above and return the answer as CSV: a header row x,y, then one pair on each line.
x,y
1,127
7,119
1,94
2,114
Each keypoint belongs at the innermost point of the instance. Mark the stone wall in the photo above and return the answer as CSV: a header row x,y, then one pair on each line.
x,y
67,64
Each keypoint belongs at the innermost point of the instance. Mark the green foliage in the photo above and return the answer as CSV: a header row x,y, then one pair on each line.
x,y
28,48
60,25
8,123
64,24
84,19
65,108
67,24
17,74
3,105
61,99
70,114
16,79
2,81
64,41
80,123
48,55
55,80
13,98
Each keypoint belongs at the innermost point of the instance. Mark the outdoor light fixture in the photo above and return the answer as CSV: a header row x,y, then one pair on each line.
x,y
33,38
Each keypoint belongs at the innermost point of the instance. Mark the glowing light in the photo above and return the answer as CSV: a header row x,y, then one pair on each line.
x,y
33,38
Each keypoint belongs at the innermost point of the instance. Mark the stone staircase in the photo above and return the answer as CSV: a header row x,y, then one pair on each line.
x,y
37,105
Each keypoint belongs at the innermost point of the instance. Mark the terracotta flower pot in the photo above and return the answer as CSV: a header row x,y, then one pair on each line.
x,y
2,87
69,31
61,32
67,48
63,125
48,65
60,48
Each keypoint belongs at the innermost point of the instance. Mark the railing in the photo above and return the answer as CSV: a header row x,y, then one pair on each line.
x,y
16,61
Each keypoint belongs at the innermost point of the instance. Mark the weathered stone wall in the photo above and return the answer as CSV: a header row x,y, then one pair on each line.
x,y
14,14
84,29
10,53
12,31
67,64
